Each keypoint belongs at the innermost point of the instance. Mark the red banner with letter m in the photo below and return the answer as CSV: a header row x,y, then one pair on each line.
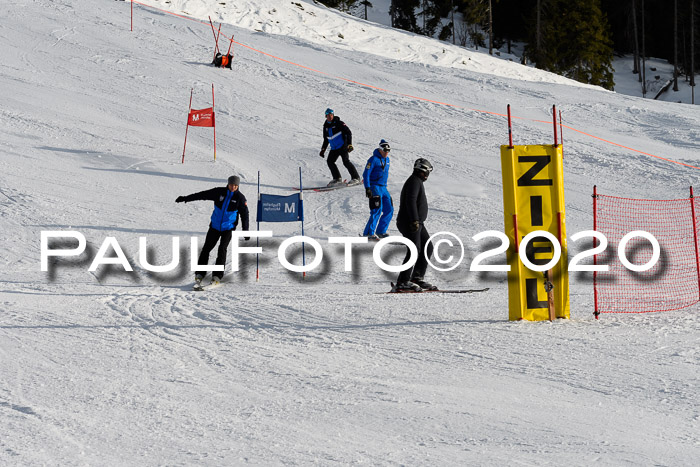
x,y
203,117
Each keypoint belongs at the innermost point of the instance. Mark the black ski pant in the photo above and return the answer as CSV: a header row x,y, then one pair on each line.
x,y
213,236
419,239
343,153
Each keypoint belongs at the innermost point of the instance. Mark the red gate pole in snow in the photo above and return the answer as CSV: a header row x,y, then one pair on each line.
x,y
510,130
510,146
556,143
216,38
229,46
596,313
561,129
257,239
303,244
549,274
212,117
187,127
695,236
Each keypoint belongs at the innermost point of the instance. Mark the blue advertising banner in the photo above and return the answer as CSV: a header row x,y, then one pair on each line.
x,y
274,208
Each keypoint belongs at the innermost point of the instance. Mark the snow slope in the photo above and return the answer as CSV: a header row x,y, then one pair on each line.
x,y
118,368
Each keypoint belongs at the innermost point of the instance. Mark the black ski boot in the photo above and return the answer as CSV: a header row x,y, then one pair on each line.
x,y
423,285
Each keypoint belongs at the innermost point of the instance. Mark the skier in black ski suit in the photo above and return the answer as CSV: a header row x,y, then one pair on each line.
x,y
338,135
413,210
229,206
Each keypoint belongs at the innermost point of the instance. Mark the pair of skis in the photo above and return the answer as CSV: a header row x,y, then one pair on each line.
x,y
393,291
198,287
320,189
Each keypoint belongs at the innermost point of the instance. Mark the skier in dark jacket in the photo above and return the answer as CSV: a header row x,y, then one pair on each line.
x,y
413,210
229,206
339,137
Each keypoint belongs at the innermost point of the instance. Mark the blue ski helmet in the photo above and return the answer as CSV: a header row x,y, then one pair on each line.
x,y
329,111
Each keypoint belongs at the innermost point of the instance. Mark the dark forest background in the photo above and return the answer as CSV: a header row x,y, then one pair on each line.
x,y
574,38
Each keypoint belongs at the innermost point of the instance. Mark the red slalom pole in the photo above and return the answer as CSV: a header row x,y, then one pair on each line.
x,y
229,45
212,118
187,127
515,216
596,313
510,130
216,39
561,129
695,231
257,240
303,245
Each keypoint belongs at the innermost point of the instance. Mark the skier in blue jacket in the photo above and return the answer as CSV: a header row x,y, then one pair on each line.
x,y
229,206
339,137
375,176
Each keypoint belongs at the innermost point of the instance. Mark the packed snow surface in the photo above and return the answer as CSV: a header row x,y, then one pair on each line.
x,y
133,368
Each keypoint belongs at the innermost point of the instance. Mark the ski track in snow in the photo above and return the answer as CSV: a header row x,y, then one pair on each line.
x,y
127,368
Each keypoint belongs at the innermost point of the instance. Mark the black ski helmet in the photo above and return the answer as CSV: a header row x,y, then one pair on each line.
x,y
423,165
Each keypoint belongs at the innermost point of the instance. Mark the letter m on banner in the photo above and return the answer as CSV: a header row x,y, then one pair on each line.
x,y
274,208
533,200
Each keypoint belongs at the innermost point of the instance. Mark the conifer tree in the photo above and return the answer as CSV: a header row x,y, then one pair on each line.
x,y
476,14
575,42
430,17
403,15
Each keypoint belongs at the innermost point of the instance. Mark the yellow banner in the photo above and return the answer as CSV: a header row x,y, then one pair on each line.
x,y
533,199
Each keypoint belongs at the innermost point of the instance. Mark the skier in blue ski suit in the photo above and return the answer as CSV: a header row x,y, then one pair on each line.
x,y
375,176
